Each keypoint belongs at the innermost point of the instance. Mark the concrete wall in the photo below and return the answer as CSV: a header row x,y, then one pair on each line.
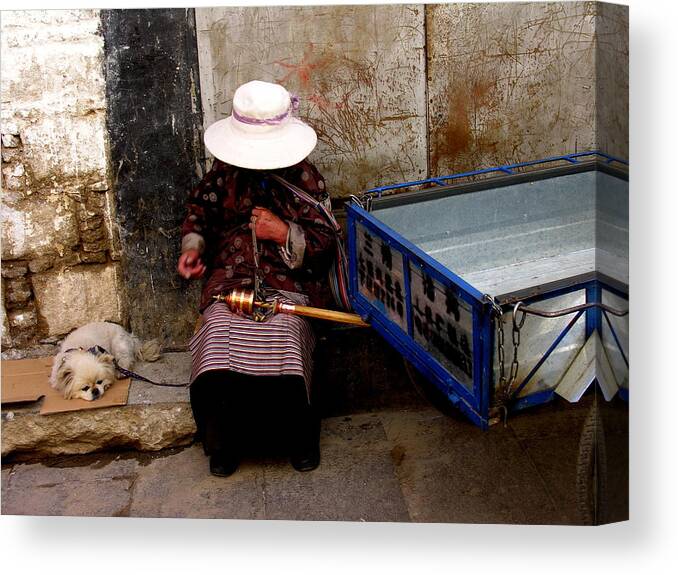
x,y
59,251
360,71
509,82
612,79
400,92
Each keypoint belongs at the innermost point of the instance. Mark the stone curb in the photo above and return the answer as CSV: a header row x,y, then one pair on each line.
x,y
154,418
160,417
144,428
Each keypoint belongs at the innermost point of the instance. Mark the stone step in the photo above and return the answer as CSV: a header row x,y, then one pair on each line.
x,y
154,418
355,372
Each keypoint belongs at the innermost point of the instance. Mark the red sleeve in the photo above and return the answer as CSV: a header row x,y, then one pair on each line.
x,y
203,208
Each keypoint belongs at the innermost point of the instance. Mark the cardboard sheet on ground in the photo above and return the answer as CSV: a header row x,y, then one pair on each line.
x,y
28,380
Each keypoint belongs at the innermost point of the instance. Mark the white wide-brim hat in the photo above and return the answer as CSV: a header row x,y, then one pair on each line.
x,y
261,133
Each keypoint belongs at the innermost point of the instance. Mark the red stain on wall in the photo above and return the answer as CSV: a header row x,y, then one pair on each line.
x,y
302,73
461,132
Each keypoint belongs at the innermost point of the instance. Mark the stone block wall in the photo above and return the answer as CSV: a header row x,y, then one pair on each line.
x,y
59,255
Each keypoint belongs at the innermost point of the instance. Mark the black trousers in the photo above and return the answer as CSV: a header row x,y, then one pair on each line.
x,y
236,413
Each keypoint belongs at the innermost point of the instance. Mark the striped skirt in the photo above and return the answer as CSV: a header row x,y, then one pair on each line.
x,y
281,345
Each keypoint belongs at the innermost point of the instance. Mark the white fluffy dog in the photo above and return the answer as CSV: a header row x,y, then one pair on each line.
x,y
80,372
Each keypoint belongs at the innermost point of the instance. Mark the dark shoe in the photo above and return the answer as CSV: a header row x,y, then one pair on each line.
x,y
223,465
306,460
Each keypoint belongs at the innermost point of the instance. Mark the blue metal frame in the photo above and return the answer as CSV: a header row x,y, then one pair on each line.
x,y
594,294
505,169
537,398
474,404
594,291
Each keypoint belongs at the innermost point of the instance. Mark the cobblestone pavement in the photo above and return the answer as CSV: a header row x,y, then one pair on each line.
x,y
396,465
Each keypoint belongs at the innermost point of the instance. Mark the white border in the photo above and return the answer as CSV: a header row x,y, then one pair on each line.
x,y
646,544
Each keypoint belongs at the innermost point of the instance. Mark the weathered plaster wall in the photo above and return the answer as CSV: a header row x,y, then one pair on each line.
x,y
396,93
58,240
612,79
360,71
509,82
400,92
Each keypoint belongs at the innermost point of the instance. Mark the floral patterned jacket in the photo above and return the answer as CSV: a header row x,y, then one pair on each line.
x,y
216,224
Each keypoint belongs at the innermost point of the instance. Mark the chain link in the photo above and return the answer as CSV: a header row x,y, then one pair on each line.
x,y
500,350
259,293
505,386
513,373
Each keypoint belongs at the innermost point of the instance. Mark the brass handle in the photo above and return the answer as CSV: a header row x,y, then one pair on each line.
x,y
319,313
243,300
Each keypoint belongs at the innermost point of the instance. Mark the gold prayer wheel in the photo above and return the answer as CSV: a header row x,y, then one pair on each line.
x,y
243,300
239,300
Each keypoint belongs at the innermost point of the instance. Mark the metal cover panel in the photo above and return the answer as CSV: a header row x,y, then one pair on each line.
x,y
505,280
616,347
499,226
380,276
612,227
502,240
442,325
590,364
536,337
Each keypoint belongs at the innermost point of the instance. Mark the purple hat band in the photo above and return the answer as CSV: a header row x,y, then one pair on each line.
x,y
294,106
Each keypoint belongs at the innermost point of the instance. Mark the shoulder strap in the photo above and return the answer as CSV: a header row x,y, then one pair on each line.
x,y
309,199
339,271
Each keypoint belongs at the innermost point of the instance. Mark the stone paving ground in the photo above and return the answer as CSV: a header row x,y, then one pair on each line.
x,y
390,465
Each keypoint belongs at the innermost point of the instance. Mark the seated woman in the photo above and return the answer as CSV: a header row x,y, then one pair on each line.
x,y
245,229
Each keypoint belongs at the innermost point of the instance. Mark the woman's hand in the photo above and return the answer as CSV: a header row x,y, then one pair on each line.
x,y
268,226
190,265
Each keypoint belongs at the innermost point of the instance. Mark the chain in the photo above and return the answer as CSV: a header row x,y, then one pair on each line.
x,y
259,294
513,374
505,385
499,317
364,201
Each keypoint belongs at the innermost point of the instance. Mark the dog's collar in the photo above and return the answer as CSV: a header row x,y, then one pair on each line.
x,y
95,350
